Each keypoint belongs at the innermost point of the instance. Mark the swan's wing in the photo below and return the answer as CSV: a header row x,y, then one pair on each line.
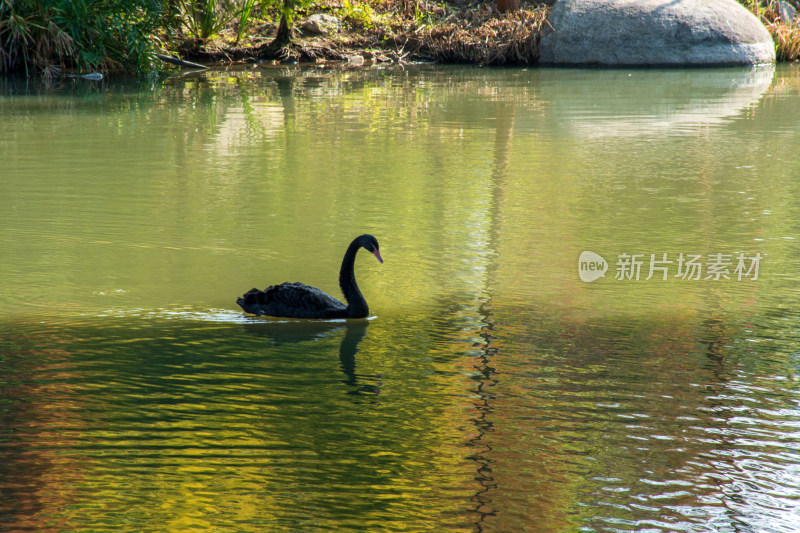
x,y
294,300
302,296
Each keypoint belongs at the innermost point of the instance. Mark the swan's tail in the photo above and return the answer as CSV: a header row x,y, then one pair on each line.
x,y
251,301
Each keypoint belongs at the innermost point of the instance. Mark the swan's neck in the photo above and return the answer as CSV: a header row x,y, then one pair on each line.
x,y
356,305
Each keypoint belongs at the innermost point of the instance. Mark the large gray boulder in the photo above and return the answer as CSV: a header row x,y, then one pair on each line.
x,y
321,24
653,33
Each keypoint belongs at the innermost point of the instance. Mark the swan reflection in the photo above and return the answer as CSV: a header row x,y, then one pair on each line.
x,y
353,332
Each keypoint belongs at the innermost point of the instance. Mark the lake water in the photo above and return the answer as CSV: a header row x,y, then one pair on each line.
x,y
492,390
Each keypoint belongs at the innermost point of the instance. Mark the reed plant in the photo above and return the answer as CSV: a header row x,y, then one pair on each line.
x,y
204,18
245,19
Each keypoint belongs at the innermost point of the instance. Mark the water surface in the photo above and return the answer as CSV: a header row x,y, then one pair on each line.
x,y
492,390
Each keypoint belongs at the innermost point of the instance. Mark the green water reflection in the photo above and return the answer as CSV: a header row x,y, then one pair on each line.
x,y
493,391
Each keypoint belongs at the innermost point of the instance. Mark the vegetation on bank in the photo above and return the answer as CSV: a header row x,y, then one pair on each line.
x,y
45,36
785,35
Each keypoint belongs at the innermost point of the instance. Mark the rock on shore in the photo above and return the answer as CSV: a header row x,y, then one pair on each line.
x,y
653,33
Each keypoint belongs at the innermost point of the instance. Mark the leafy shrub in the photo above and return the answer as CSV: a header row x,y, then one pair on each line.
x,y
83,34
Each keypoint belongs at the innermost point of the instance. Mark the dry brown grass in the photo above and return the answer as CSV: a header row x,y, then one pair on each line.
x,y
787,40
480,36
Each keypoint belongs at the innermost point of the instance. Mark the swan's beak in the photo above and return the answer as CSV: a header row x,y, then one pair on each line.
x,y
377,254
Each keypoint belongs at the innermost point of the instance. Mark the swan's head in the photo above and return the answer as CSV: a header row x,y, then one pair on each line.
x,y
370,243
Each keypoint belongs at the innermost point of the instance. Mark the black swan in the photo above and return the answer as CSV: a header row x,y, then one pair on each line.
x,y
297,300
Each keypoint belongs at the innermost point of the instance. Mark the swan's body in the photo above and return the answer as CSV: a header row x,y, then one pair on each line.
x,y
297,300
294,300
